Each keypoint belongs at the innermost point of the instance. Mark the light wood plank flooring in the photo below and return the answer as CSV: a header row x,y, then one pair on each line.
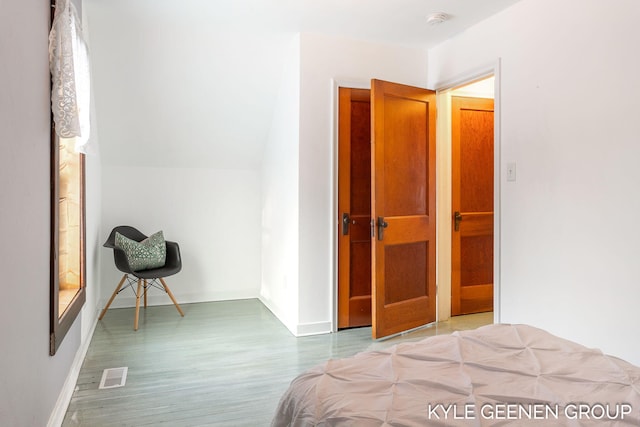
x,y
223,364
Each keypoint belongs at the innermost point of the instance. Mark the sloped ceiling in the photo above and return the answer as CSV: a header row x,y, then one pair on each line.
x,y
192,83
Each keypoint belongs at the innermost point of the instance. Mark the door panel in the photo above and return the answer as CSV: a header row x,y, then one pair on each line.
x,y
403,282
405,156
472,199
403,206
354,199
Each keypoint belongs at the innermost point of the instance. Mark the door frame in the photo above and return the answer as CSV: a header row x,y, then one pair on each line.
x,y
336,84
443,194
443,187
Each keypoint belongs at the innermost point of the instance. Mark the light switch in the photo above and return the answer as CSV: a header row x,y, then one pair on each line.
x,y
511,171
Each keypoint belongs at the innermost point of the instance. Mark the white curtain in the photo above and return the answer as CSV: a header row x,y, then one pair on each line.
x,y
69,64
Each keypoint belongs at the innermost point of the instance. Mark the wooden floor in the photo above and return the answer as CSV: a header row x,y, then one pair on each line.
x,y
223,364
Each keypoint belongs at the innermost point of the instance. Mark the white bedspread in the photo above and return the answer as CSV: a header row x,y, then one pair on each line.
x,y
497,375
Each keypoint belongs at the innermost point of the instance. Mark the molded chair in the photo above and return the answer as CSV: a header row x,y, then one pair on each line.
x,y
145,279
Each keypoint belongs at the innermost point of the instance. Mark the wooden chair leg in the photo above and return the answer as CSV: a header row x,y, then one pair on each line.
x,y
166,288
135,319
106,307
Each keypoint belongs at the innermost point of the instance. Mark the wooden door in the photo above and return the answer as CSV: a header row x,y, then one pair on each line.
x,y
403,207
472,205
354,208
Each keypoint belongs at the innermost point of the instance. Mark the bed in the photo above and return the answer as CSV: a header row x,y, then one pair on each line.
x,y
496,375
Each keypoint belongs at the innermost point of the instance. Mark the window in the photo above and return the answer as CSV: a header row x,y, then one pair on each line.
x,y
68,269
69,135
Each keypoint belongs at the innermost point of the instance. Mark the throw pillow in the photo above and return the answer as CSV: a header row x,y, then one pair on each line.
x,y
149,253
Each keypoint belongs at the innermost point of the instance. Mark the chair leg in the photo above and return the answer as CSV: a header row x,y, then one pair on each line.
x,y
145,293
135,319
106,307
166,288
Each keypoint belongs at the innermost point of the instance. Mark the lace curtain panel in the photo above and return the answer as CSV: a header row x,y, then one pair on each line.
x,y
69,64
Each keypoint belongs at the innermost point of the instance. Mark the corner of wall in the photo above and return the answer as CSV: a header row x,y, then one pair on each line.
x,y
280,198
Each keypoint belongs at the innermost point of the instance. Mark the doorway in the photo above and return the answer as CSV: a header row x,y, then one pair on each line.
x,y
467,238
472,205
386,224
354,208
445,214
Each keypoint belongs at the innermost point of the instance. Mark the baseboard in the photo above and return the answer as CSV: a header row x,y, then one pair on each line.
x,y
64,398
160,298
315,328
275,310
297,329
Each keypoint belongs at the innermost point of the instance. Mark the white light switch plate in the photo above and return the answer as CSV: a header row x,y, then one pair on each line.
x,y
511,171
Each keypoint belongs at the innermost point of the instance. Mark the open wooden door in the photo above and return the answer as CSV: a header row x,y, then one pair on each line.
x,y
403,207
472,205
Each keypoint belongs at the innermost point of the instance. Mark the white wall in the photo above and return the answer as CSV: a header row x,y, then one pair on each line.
x,y
569,121
93,213
181,146
298,228
182,85
280,170
325,59
93,197
213,214
31,379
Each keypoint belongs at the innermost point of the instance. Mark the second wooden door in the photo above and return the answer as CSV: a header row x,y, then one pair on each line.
x,y
472,205
354,208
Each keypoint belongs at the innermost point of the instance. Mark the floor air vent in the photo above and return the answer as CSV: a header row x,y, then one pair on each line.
x,y
113,377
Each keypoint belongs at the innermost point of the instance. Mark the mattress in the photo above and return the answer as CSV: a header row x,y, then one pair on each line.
x,y
496,375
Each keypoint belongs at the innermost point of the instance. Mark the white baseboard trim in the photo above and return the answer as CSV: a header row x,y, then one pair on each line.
x,y
64,398
160,298
297,329
315,328
278,314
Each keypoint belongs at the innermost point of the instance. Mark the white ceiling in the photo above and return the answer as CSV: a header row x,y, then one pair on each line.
x,y
192,83
389,21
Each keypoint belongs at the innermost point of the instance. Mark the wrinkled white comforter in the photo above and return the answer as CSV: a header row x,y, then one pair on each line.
x,y
512,375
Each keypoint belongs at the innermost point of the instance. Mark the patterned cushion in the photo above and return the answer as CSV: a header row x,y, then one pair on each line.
x,y
149,253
